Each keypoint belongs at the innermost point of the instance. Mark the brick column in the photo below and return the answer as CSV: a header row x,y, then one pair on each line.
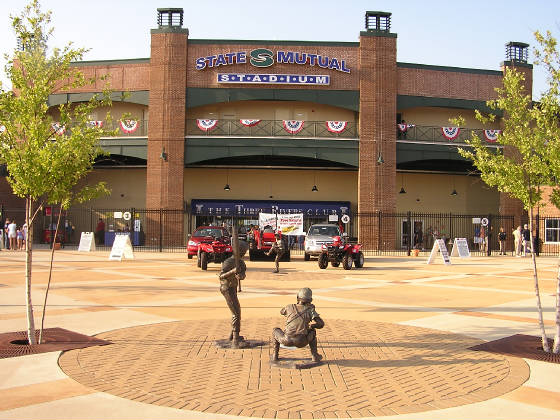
x,y
378,107
166,128
517,55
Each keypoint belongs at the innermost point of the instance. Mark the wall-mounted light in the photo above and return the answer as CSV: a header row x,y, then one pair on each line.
x,y
380,159
163,155
402,191
226,187
314,189
454,192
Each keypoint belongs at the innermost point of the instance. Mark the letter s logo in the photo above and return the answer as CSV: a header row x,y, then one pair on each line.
x,y
261,57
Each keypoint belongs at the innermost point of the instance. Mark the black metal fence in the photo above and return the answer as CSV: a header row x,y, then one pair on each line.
x,y
406,233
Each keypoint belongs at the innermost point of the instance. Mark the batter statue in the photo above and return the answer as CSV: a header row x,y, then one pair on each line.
x,y
299,332
230,276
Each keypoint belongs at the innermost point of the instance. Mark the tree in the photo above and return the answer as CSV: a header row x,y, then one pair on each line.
x,y
521,168
45,158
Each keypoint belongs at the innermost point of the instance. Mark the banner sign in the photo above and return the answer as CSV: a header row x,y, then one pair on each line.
x,y
122,247
439,247
87,242
263,57
460,248
288,224
274,79
254,207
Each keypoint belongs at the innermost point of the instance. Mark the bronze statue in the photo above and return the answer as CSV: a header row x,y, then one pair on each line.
x,y
278,248
299,332
233,271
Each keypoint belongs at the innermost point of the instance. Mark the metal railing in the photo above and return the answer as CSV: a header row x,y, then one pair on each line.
x,y
271,128
432,134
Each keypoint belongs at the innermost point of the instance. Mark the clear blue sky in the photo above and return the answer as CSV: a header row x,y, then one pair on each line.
x,y
462,34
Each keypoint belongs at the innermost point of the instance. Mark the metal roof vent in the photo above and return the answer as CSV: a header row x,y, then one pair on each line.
x,y
517,52
170,17
378,21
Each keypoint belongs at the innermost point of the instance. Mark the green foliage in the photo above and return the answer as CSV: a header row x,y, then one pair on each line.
x,y
43,165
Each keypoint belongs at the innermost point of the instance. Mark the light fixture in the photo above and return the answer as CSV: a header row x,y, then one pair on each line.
x,y
380,159
454,192
402,191
163,155
226,187
314,189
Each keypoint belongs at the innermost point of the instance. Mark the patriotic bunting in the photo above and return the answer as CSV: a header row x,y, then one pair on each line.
x,y
128,126
336,126
450,133
491,135
58,128
403,128
293,126
206,125
249,123
95,123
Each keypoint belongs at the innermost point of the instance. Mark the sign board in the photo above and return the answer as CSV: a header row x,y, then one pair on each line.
x,y
476,220
439,246
333,217
484,221
87,242
117,215
126,215
289,224
460,248
122,247
136,225
345,218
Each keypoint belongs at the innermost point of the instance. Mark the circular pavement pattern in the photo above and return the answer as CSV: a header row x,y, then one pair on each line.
x,y
370,369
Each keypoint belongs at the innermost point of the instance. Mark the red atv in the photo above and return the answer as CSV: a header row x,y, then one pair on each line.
x,y
213,250
341,252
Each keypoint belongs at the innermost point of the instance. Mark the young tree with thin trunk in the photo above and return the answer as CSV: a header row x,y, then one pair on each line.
x,y
45,158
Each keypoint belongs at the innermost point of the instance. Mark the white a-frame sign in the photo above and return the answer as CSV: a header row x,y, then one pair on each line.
x,y
122,247
439,245
460,248
87,242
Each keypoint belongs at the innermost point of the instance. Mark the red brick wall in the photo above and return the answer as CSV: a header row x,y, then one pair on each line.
x,y
7,198
131,77
378,105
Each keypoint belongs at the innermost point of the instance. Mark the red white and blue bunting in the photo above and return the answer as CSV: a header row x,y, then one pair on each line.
x,y
249,123
58,128
95,123
403,128
128,126
293,126
336,126
492,135
207,125
450,133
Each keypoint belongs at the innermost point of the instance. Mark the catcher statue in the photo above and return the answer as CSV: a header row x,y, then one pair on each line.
x,y
299,332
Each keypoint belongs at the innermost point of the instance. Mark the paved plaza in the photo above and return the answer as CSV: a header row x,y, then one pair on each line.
x,y
397,342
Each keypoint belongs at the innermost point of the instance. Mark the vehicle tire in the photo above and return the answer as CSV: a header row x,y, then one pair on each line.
x,y
204,260
359,260
335,263
306,256
347,262
323,261
189,256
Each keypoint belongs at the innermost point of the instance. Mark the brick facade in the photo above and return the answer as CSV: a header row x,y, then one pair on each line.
x,y
378,108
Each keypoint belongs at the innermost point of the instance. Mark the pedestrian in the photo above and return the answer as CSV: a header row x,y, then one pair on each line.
x,y
100,232
5,234
483,241
299,332
19,238
517,241
502,241
25,232
526,237
278,248
12,235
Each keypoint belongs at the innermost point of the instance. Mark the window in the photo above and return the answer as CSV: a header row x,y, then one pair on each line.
x,y
552,230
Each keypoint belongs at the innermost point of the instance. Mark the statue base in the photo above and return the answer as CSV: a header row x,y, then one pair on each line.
x,y
294,363
243,344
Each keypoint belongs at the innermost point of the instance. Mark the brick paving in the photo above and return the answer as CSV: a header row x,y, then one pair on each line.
x,y
370,369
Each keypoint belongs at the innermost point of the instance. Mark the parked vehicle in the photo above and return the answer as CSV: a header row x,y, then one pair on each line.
x,y
341,252
214,250
317,236
206,234
260,242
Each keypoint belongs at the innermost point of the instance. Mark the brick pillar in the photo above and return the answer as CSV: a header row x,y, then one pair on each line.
x,y
378,108
516,57
166,129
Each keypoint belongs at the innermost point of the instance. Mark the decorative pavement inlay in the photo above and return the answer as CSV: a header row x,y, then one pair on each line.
x,y
369,369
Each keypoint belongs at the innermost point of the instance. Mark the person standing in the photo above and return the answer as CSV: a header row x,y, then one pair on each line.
x,y
517,241
100,232
526,236
502,241
5,234
12,235
483,241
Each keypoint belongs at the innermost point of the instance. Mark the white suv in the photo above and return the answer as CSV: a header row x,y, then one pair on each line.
x,y
317,236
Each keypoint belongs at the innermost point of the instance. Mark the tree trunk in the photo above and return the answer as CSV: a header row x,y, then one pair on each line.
x,y
545,345
556,346
28,262
50,276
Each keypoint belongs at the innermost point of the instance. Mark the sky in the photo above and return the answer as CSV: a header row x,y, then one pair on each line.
x,y
469,34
